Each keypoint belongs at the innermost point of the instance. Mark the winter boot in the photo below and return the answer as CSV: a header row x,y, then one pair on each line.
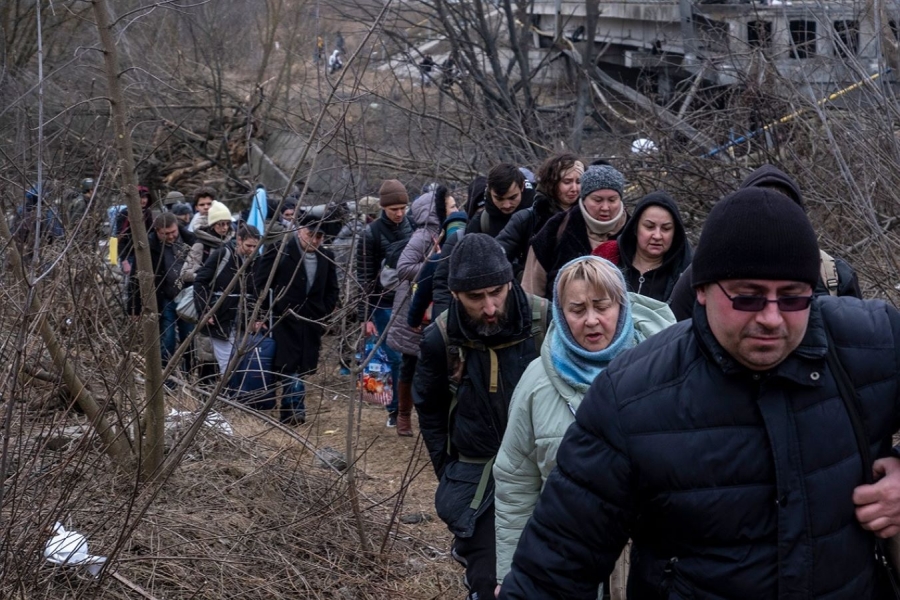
x,y
404,409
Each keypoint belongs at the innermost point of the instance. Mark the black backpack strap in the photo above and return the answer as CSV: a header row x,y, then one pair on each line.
x,y
852,404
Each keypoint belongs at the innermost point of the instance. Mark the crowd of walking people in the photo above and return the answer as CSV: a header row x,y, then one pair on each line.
x,y
609,411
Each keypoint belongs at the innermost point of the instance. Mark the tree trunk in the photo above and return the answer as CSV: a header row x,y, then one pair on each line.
x,y
152,443
592,11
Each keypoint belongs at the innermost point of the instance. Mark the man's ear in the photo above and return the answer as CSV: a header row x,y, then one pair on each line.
x,y
701,295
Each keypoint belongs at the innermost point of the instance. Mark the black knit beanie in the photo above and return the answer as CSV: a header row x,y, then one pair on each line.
x,y
478,262
756,233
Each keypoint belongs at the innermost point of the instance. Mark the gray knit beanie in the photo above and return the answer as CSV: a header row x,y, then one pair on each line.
x,y
603,177
478,262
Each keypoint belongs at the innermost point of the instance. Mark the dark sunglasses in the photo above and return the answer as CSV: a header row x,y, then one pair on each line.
x,y
758,303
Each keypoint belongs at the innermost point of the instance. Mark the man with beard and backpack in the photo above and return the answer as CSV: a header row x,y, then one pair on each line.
x,y
471,359
380,245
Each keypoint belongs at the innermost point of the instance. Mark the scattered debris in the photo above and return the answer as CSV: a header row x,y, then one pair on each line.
x,y
70,548
214,420
328,457
415,518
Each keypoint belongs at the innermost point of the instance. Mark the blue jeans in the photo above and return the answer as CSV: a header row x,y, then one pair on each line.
x,y
169,326
293,396
381,317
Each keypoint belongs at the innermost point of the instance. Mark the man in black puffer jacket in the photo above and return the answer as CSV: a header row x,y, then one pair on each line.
x,y
722,446
491,324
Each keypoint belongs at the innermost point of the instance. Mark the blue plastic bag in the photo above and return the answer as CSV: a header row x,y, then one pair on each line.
x,y
375,378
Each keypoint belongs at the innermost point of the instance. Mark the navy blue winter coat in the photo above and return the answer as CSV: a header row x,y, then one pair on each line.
x,y
732,483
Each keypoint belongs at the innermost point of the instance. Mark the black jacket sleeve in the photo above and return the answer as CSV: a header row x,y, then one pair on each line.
x,y
332,289
515,236
585,512
367,267
204,284
683,296
261,269
431,396
424,292
441,274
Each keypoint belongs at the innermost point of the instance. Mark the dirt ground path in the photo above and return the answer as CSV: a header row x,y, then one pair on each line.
x,y
395,471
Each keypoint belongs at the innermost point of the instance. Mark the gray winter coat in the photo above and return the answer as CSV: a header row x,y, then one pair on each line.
x,y
401,337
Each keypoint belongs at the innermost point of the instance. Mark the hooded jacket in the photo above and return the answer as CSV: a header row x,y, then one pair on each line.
x,y
401,337
657,283
542,408
682,297
425,287
731,483
770,176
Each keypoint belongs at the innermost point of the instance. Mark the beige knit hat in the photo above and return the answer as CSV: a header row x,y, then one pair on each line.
x,y
218,212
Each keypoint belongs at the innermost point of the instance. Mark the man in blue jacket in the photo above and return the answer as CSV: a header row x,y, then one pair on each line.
x,y
722,446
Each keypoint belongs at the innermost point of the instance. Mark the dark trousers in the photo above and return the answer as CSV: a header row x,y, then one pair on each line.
x,y
478,554
408,367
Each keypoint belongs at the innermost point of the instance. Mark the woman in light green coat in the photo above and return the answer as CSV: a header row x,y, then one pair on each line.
x,y
594,320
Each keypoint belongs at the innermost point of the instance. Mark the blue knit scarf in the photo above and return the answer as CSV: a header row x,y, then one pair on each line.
x,y
575,365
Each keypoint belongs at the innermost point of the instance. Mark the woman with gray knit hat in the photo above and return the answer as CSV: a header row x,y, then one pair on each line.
x,y
598,217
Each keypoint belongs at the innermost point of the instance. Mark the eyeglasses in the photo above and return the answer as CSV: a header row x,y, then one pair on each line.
x,y
758,303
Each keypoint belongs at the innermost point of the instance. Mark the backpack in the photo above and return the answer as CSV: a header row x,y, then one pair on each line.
x,y
828,272
485,221
456,358
185,307
456,362
388,275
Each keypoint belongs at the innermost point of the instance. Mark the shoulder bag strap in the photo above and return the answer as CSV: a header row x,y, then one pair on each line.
x,y
851,403
851,400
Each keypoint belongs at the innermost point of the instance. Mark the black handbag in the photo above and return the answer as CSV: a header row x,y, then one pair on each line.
x,y
883,555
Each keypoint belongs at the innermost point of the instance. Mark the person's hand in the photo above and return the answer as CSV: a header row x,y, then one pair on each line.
x,y
126,267
211,321
369,329
497,591
878,504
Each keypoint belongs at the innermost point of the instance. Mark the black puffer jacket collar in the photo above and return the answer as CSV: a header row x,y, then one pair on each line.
x,y
813,346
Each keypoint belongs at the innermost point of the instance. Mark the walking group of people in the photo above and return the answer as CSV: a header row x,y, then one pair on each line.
x,y
605,407
583,437
219,260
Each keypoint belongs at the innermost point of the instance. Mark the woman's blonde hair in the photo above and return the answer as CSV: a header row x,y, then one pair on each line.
x,y
598,273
